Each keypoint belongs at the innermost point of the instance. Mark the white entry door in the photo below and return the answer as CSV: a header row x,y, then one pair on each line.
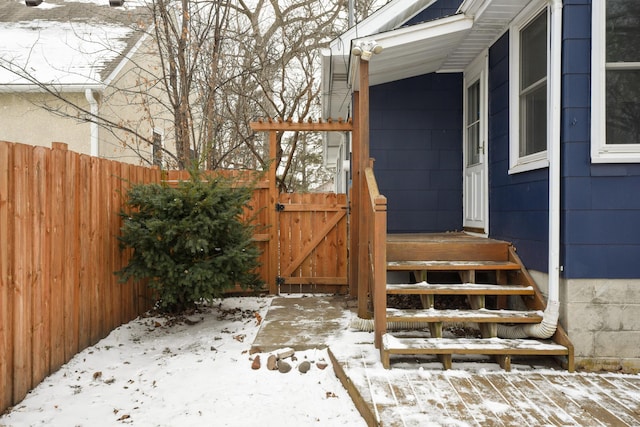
x,y
476,196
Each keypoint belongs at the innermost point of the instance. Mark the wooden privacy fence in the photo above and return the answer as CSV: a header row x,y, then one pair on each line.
x,y
59,222
58,253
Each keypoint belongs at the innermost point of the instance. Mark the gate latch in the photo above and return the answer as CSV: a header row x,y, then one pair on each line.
x,y
279,207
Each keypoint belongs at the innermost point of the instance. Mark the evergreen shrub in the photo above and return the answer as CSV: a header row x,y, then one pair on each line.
x,y
189,242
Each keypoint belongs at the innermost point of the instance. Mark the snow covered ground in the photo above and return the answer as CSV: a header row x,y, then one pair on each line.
x,y
197,371
194,371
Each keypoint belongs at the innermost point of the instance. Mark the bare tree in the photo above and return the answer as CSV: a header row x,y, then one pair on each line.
x,y
222,64
279,47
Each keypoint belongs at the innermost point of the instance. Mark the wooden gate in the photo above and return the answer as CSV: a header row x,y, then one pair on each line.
x,y
312,252
311,231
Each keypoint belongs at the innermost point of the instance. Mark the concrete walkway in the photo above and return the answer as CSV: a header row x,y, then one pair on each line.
x,y
301,322
417,392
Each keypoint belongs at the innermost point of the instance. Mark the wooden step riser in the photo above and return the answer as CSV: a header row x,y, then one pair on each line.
x,y
421,251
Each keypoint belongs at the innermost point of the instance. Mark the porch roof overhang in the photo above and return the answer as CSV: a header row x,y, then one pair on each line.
x,y
448,44
411,51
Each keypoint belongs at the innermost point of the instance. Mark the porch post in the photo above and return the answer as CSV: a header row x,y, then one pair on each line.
x,y
363,159
355,200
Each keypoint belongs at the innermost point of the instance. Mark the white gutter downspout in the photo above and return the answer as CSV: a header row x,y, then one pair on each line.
x,y
549,323
93,103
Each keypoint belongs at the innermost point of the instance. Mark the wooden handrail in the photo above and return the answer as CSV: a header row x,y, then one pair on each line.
x,y
374,223
372,184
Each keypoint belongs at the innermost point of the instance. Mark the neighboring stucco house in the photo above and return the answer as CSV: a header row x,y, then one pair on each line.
x,y
93,56
518,120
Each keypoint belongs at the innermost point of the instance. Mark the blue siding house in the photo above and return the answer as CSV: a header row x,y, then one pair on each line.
x,y
517,120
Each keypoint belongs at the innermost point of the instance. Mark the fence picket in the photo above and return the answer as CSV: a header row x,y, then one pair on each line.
x,y
105,232
58,163
6,271
114,253
320,220
71,255
40,197
97,313
22,351
84,272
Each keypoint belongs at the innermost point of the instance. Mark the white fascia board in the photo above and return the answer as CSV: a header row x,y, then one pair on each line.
x,y
421,32
388,17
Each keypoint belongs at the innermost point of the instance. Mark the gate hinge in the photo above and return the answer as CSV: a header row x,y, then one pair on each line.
x,y
279,207
279,280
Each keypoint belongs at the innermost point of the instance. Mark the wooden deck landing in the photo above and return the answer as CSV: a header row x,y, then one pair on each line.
x,y
451,237
419,393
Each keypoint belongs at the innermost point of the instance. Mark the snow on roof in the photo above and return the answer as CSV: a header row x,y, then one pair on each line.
x,y
63,43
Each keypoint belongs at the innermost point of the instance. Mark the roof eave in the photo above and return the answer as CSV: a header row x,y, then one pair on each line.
x,y
126,58
403,39
50,87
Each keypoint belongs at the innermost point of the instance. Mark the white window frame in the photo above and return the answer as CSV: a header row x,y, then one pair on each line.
x,y
538,160
601,152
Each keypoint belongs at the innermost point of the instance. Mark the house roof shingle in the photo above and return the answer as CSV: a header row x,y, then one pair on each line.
x,y
76,43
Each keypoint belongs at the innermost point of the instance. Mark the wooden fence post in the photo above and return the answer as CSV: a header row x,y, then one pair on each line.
x,y
273,216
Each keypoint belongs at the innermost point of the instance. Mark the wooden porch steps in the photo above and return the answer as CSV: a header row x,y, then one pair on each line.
x,y
484,273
